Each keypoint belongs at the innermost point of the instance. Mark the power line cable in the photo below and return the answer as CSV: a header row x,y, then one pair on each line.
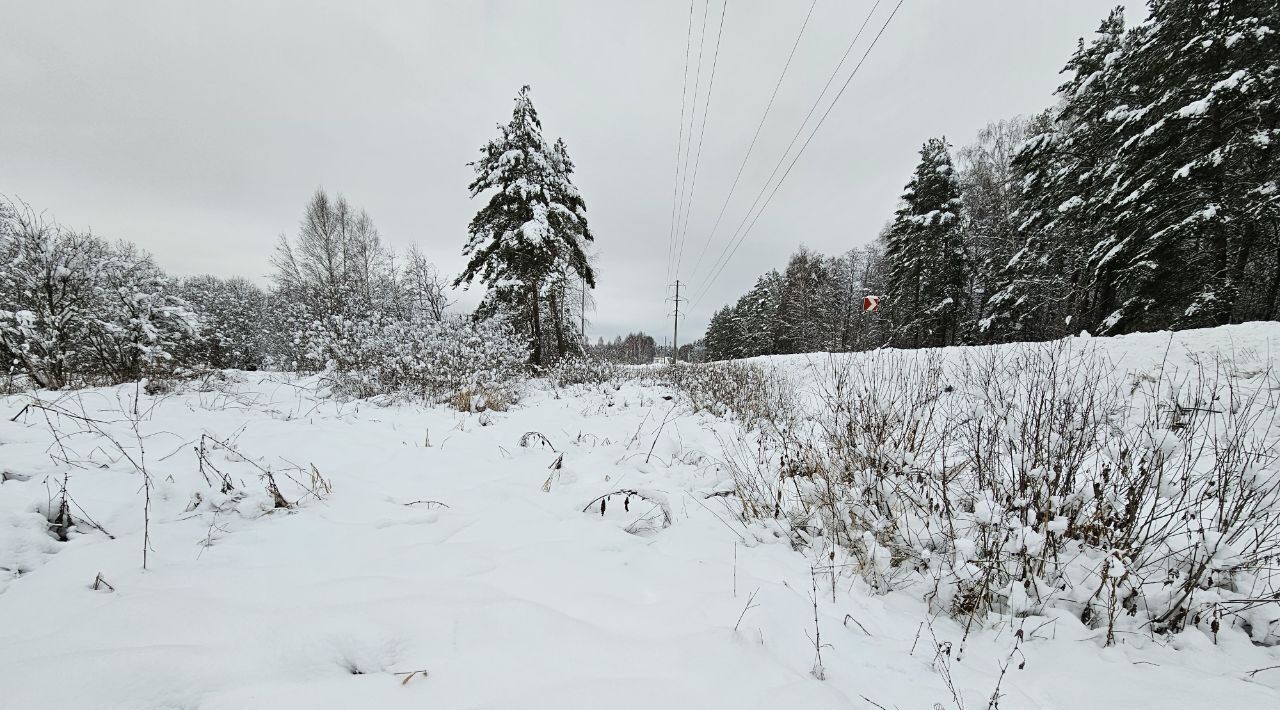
x,y
715,60
684,91
688,147
754,138
875,40
795,137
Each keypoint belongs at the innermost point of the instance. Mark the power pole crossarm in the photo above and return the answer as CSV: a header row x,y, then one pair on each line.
x,y
675,330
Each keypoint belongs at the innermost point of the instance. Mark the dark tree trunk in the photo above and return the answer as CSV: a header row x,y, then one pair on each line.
x,y
535,327
1273,292
558,322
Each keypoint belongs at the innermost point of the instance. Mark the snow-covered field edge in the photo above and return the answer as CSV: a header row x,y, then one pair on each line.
x,y
308,552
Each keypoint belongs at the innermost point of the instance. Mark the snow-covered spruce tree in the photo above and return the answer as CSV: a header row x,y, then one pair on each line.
x,y
868,331
531,235
1046,288
1194,195
815,305
233,320
819,302
989,191
756,317
804,324
928,275
721,338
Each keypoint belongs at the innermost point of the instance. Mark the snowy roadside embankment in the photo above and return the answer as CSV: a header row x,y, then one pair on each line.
x,y
1130,483
1252,348
309,553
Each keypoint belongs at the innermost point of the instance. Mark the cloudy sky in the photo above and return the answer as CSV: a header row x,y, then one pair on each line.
x,y
198,130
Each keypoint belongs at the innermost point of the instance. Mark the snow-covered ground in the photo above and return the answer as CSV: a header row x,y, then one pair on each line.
x,y
434,541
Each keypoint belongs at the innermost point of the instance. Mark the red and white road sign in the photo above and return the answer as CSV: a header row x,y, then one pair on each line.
x,y
870,303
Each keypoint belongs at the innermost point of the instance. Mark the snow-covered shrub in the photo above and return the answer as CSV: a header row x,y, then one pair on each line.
x,y
48,277
14,381
233,321
75,310
1192,504
139,323
475,365
585,371
747,391
294,335
1011,481
1161,510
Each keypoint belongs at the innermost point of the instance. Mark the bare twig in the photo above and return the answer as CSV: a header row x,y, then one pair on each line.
x,y
656,436
410,675
1256,671
99,582
849,617
750,605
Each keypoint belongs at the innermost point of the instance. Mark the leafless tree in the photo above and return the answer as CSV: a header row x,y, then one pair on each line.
x,y
425,290
338,263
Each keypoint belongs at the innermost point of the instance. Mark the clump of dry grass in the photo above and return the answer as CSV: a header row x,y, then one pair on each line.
x,y
480,399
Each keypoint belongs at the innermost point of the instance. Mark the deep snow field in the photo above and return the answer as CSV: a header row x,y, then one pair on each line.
x,y
443,545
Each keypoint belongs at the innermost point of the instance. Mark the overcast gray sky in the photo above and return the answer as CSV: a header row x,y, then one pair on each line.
x,y
199,130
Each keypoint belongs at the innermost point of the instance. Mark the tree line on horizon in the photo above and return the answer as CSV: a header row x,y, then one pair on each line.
x,y
76,309
1147,198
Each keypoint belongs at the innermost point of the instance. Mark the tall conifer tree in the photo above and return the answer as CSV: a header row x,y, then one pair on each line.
x,y
1196,173
1047,288
927,270
531,235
